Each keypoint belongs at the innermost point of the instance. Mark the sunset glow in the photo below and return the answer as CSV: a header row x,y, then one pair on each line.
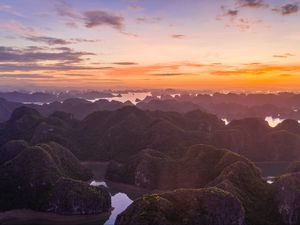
x,y
192,44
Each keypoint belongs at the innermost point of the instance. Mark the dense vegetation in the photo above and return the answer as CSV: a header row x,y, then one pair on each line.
x,y
120,134
195,152
47,177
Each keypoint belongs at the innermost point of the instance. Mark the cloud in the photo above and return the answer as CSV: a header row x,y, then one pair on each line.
x,y
252,3
135,7
172,69
82,40
8,9
35,58
25,76
78,75
143,70
18,28
90,19
64,9
236,20
288,9
125,63
178,36
8,54
246,24
49,40
33,35
128,34
235,14
285,75
71,24
58,41
100,18
27,67
150,20
256,69
286,55
231,12
168,74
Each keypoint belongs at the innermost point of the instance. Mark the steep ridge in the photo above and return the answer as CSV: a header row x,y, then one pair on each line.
x,y
31,177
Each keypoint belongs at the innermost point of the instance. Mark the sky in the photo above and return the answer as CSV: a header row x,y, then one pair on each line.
x,y
250,45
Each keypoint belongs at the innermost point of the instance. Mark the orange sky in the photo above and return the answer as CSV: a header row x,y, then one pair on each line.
x,y
193,44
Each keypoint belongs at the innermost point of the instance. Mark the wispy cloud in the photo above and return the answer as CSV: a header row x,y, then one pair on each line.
x,y
58,41
135,7
90,19
150,20
84,40
178,36
251,3
256,69
237,20
32,34
125,63
34,58
78,75
18,28
143,70
8,54
25,76
286,55
194,69
29,67
231,12
234,19
102,18
168,74
9,9
64,9
288,9
49,40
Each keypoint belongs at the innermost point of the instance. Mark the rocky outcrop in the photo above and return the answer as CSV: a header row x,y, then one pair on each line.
x,y
281,145
292,126
6,108
151,169
143,170
120,134
203,166
243,136
111,135
29,178
78,198
21,125
11,150
244,181
254,139
287,195
209,206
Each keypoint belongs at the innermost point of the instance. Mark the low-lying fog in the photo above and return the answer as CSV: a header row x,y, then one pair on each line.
x,y
272,121
133,97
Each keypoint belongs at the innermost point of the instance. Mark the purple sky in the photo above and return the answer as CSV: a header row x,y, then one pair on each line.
x,y
231,44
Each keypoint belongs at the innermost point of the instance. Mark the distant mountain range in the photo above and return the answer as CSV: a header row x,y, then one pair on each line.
x,y
225,106
119,134
47,97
